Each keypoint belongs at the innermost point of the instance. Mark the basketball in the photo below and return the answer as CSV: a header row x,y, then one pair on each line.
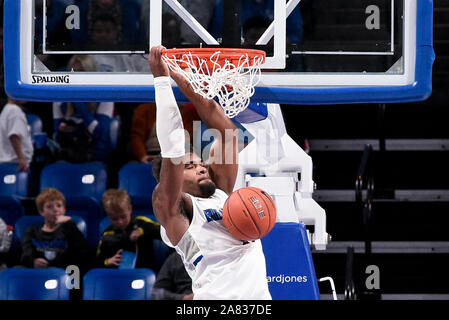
x,y
249,213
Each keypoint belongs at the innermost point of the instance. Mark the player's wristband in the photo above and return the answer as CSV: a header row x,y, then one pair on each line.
x,y
169,126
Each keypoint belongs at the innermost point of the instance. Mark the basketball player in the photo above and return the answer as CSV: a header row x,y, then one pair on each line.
x,y
189,199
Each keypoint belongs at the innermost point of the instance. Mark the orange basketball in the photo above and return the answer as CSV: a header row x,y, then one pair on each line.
x,y
249,213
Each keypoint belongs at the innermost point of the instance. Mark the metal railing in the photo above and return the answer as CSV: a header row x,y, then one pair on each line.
x,y
364,194
365,180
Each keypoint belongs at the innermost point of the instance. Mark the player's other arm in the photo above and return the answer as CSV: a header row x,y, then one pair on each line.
x,y
224,152
169,129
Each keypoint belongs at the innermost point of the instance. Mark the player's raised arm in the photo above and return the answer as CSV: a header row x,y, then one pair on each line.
x,y
224,152
167,195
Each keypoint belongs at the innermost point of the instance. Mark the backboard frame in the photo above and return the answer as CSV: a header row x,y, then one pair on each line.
x,y
414,85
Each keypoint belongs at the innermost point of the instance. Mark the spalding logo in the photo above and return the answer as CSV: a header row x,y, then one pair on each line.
x,y
50,79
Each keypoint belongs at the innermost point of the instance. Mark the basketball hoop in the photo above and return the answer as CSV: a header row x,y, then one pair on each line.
x,y
227,74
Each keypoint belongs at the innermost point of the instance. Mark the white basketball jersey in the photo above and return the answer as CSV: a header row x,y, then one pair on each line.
x,y
221,267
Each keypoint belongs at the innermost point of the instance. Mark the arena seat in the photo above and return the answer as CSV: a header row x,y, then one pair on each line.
x,y
13,187
138,180
76,180
83,186
118,284
25,222
34,284
290,269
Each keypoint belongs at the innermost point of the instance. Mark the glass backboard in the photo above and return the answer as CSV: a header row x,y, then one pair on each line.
x,y
318,51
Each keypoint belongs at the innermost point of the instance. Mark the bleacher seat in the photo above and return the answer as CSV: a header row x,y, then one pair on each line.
x,y
13,187
118,284
34,284
138,180
290,269
160,249
25,222
83,185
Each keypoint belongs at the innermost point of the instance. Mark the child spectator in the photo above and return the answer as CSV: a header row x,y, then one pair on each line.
x,y
58,243
134,234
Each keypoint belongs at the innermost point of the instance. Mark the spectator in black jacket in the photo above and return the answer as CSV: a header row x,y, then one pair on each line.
x,y
172,282
58,243
133,234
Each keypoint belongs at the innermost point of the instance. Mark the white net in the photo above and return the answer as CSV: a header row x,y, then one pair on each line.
x,y
231,83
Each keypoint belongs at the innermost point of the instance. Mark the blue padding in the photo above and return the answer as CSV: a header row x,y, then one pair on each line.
x,y
419,90
255,112
12,182
117,284
290,268
26,222
30,284
138,180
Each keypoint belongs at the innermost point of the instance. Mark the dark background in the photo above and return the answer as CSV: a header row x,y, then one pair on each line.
x,y
409,217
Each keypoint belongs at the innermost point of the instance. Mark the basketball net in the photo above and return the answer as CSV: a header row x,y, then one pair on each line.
x,y
228,76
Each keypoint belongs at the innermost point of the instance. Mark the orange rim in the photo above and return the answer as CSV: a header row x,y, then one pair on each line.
x,y
233,55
